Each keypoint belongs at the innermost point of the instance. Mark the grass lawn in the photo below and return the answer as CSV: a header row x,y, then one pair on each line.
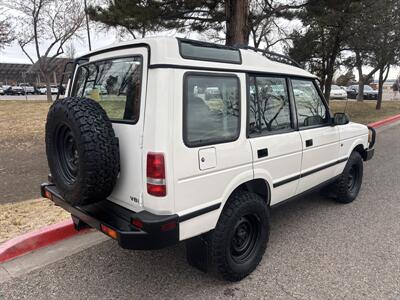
x,y
365,112
22,217
22,119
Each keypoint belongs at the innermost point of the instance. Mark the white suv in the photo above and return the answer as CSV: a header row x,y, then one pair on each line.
x,y
195,141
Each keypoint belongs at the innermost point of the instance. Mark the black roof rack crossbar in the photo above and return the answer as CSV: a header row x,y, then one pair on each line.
x,y
274,56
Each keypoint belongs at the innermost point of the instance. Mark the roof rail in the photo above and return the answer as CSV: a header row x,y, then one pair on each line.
x,y
274,56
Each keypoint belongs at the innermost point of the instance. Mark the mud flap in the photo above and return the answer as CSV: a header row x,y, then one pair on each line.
x,y
198,252
79,224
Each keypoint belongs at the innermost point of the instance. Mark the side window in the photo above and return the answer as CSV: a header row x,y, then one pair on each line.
x,y
211,109
269,107
115,84
311,110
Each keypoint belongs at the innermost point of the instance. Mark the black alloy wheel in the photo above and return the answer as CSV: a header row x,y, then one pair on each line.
x,y
240,238
67,151
246,234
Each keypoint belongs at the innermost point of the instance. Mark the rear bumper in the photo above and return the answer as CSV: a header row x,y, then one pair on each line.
x,y
151,231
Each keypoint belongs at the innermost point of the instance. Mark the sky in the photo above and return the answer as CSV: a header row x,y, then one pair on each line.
x,y
101,38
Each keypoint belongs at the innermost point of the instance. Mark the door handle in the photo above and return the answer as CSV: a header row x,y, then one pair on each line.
x,y
309,143
262,152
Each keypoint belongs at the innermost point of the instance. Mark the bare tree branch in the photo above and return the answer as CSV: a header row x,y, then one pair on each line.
x,y
47,25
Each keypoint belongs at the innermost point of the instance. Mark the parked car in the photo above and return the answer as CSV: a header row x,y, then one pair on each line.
x,y
7,89
1,91
54,89
43,89
369,92
337,92
154,165
212,93
28,89
17,90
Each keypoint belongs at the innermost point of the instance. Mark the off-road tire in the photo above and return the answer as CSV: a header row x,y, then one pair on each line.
x,y
239,206
82,150
345,190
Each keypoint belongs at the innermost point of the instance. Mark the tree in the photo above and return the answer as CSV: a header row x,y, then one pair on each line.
x,y
346,79
319,45
6,34
70,50
136,17
361,41
51,23
139,18
237,22
263,21
238,19
385,51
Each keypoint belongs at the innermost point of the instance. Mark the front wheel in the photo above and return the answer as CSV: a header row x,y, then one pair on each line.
x,y
349,183
241,236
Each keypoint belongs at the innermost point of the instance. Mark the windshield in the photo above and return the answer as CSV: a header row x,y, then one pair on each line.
x,y
368,88
115,84
335,87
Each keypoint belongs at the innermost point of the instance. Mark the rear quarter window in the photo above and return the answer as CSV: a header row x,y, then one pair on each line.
x,y
211,109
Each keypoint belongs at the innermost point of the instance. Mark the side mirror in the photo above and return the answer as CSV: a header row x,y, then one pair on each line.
x,y
340,119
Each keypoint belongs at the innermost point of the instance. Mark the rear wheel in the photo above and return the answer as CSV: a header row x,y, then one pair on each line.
x,y
349,183
241,236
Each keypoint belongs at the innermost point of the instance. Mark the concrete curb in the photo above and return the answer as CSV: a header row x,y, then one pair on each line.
x,y
54,233
34,240
384,122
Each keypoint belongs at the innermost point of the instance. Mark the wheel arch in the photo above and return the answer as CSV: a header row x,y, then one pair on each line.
x,y
360,148
259,186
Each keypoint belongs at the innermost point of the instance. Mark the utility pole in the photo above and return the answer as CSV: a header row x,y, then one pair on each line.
x,y
87,26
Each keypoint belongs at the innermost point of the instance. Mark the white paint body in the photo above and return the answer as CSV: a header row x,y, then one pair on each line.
x,y
193,185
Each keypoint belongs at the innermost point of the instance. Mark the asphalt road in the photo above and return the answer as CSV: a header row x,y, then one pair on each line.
x,y
318,250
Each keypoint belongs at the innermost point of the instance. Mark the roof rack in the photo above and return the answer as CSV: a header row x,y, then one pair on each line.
x,y
274,56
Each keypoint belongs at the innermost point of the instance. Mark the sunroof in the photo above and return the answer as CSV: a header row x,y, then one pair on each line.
x,y
209,52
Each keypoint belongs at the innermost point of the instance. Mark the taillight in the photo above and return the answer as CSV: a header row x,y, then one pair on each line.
x,y
156,184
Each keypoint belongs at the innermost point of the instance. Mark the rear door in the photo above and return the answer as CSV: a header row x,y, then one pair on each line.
x,y
213,154
275,142
117,80
320,140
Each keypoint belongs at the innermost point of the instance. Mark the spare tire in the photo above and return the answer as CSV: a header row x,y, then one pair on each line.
x,y
82,150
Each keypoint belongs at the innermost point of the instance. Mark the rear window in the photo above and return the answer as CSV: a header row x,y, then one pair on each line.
x,y
209,52
115,84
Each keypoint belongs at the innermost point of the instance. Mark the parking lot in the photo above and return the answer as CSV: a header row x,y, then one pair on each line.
x,y
25,97
318,250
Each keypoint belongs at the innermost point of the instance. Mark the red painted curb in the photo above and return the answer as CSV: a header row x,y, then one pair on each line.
x,y
37,239
383,122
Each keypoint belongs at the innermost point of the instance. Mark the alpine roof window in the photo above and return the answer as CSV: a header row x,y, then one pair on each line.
x,y
209,52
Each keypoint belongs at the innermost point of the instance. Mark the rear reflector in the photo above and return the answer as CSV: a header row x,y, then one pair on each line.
x,y
155,171
110,232
168,226
48,195
137,223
